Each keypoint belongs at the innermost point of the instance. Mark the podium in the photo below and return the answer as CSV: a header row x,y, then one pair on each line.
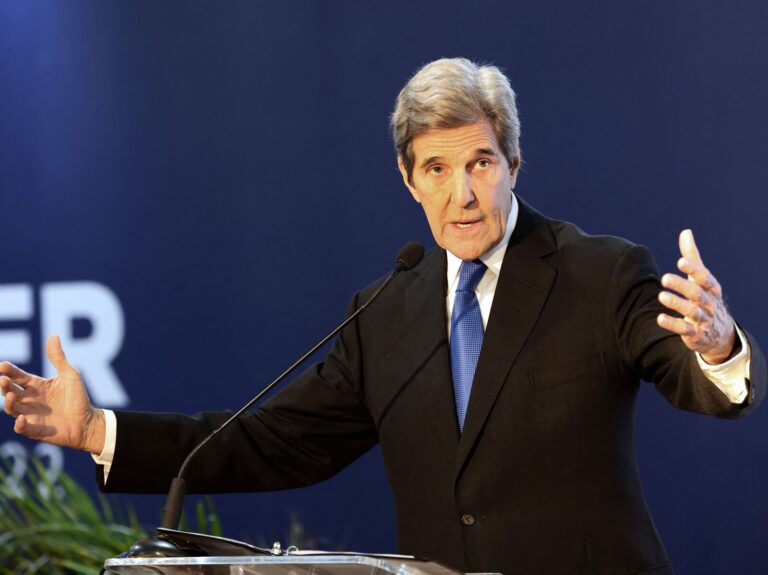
x,y
303,563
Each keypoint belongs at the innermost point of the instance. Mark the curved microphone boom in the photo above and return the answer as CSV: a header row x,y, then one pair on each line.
x,y
407,258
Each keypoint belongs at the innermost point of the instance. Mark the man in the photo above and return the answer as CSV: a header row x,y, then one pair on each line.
x,y
499,376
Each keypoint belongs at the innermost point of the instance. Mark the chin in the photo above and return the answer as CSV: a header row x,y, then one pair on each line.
x,y
468,248
466,253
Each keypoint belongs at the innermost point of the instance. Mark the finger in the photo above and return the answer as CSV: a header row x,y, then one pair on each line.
x,y
7,385
8,403
676,325
56,355
20,425
11,405
688,247
683,306
698,273
19,376
14,406
32,430
689,289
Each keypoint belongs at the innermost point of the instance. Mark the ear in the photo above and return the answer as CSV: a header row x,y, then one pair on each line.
x,y
404,174
513,170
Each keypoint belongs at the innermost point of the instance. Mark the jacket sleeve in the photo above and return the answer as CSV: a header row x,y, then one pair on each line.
x,y
313,428
659,356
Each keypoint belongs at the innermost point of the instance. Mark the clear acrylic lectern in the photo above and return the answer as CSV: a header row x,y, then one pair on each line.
x,y
290,564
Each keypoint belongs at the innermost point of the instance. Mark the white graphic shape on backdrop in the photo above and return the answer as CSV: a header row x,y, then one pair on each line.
x,y
60,305
16,304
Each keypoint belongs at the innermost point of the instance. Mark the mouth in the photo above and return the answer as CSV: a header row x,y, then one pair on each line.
x,y
465,224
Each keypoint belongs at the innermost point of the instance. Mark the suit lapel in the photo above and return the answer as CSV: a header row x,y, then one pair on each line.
x,y
521,292
425,302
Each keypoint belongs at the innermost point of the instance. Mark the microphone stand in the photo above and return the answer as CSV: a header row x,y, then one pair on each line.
x,y
160,545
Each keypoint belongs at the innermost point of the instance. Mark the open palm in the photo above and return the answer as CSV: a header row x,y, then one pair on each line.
x,y
55,410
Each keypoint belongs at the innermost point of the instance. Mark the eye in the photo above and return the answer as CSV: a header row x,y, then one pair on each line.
x,y
435,170
483,164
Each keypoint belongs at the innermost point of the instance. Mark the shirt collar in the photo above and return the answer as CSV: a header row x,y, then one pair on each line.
x,y
494,257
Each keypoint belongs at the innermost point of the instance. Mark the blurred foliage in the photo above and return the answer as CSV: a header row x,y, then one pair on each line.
x,y
61,529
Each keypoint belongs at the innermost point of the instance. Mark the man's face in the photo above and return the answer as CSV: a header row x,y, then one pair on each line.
x,y
463,181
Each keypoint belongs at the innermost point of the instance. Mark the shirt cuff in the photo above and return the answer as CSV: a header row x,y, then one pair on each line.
x,y
731,376
107,455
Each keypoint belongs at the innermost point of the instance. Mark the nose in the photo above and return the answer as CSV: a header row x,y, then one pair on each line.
x,y
462,194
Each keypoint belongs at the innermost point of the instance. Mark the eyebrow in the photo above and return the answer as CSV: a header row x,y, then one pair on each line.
x,y
485,152
479,152
429,161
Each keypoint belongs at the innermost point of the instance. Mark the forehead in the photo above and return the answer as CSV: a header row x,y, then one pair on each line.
x,y
455,142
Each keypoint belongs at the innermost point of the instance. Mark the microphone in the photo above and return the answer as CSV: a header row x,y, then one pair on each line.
x,y
407,258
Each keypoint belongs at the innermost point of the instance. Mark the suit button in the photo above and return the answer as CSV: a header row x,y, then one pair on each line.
x,y
468,519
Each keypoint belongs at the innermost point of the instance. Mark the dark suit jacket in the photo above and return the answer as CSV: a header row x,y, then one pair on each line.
x,y
543,480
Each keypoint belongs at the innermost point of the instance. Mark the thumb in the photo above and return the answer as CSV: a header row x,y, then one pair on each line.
x,y
56,354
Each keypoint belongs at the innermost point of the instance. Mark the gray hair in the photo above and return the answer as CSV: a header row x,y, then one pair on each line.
x,y
450,93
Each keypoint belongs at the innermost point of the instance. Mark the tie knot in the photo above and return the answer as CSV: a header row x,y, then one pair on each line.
x,y
470,274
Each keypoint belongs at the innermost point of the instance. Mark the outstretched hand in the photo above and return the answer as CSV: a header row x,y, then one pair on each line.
x,y
55,410
705,325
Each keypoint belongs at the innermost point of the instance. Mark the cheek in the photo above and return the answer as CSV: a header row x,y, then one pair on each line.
x,y
435,216
502,197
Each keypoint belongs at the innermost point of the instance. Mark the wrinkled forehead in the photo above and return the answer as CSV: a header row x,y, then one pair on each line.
x,y
456,143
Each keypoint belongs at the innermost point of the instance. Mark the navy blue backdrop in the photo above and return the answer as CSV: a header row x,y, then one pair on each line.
x,y
166,166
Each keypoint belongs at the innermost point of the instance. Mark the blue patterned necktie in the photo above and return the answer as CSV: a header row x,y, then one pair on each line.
x,y
466,334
